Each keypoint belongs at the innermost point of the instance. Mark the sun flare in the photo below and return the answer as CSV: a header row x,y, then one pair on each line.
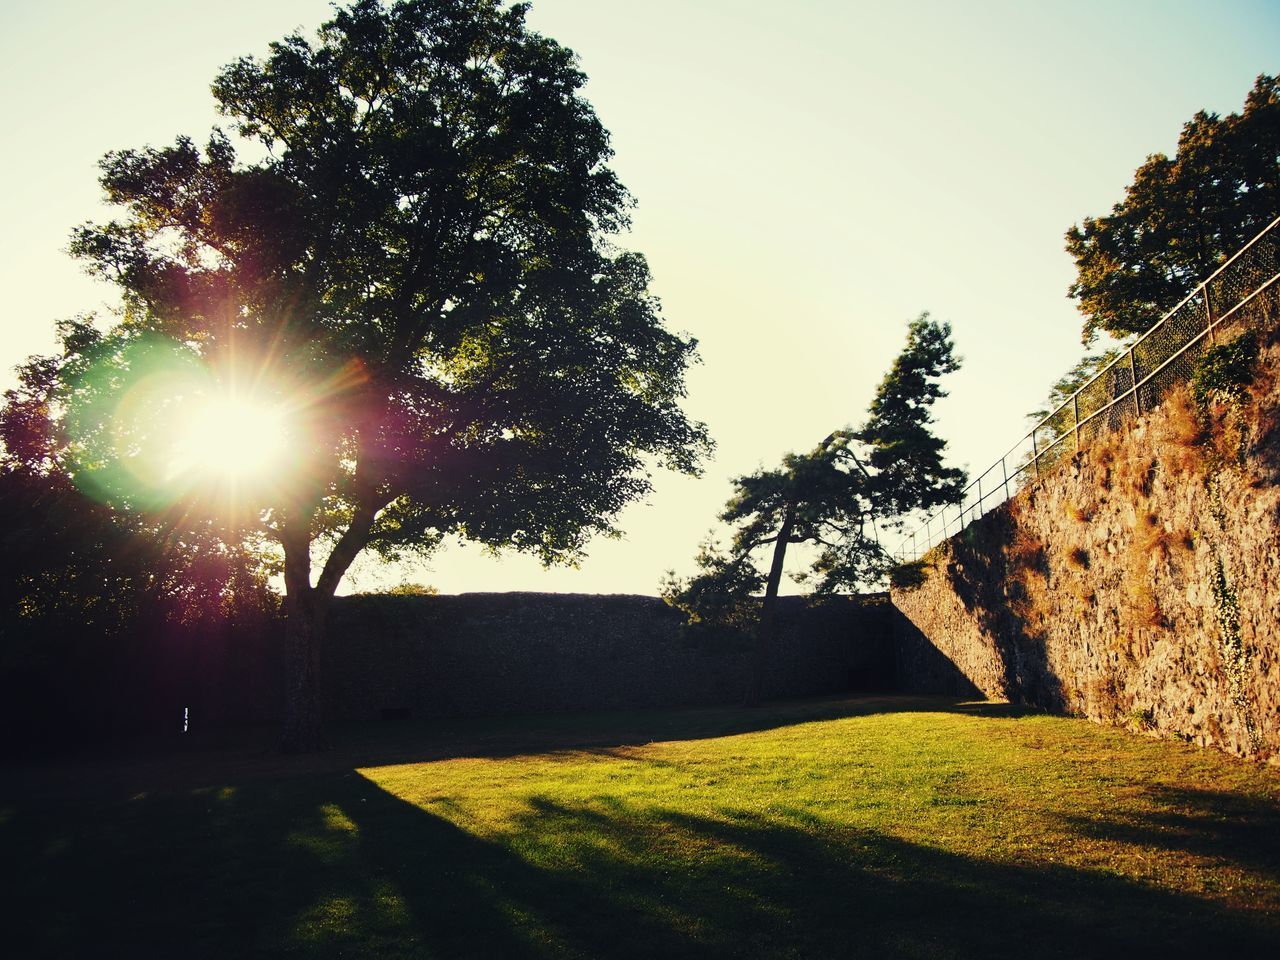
x,y
229,437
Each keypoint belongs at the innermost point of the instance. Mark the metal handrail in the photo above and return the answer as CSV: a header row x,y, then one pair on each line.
x,y
909,548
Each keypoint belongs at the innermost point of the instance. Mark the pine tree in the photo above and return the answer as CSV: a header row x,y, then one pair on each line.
x,y
840,496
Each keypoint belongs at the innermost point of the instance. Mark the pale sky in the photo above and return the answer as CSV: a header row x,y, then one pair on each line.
x,y
810,176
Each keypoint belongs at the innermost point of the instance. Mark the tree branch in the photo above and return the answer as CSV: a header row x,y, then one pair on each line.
x,y
346,549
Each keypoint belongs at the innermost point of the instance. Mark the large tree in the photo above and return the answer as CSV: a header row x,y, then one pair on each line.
x,y
838,497
1180,217
414,260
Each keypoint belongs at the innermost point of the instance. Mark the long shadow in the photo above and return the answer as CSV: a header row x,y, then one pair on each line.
x,y
508,736
368,745
1240,828
335,866
921,668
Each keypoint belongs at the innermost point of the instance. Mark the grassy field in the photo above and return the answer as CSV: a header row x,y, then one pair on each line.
x,y
893,827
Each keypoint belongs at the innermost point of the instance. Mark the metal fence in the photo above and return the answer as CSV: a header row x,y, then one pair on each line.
x,y
1129,386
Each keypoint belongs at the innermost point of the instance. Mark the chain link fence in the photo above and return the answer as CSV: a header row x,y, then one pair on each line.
x,y
1132,384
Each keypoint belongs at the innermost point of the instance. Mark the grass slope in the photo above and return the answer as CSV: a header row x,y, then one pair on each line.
x,y
878,828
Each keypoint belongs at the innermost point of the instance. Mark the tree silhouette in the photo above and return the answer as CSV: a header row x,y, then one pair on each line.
x,y
837,496
419,248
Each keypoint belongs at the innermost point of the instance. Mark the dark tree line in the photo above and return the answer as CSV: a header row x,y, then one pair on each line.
x,y
107,617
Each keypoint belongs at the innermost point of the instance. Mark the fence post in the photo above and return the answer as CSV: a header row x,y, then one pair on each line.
x,y
1208,311
975,510
1133,374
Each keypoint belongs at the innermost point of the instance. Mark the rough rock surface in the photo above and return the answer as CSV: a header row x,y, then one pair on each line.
x,y
1138,584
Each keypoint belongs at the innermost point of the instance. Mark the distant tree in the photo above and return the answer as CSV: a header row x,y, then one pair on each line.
x,y
838,497
408,590
1084,370
421,250
1180,218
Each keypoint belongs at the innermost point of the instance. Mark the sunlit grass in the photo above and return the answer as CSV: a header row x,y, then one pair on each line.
x,y
892,828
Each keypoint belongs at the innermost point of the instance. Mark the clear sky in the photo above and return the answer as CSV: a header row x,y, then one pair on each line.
x,y
810,176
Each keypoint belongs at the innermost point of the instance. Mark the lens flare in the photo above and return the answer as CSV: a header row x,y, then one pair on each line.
x,y
239,438
154,424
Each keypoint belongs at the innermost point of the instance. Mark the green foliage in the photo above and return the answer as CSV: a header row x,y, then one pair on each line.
x,y
909,576
1235,653
1140,719
1181,217
1084,370
73,563
904,456
410,590
423,250
1225,371
717,602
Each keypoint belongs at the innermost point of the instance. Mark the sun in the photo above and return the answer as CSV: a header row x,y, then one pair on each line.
x,y
239,438
157,426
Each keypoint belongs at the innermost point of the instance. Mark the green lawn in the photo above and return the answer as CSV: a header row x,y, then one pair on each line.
x,y
896,827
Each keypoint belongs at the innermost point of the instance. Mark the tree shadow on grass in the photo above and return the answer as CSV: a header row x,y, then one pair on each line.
x,y
1239,828
734,886
368,745
335,866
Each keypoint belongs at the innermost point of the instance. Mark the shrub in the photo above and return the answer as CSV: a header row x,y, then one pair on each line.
x,y
1225,372
1151,537
909,576
1078,513
409,590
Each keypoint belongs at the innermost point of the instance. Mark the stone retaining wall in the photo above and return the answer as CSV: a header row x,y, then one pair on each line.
x,y
1139,584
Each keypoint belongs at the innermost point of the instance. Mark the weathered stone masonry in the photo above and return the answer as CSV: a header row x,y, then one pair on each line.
x,y
1138,585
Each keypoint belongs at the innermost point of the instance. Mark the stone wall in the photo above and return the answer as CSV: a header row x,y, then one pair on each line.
x,y
495,653
1139,584
479,654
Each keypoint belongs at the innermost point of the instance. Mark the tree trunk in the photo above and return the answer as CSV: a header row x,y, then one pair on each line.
x,y
307,614
769,611
304,634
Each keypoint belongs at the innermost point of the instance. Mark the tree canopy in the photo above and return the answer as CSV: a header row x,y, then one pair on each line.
x,y
1180,217
403,240
839,497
